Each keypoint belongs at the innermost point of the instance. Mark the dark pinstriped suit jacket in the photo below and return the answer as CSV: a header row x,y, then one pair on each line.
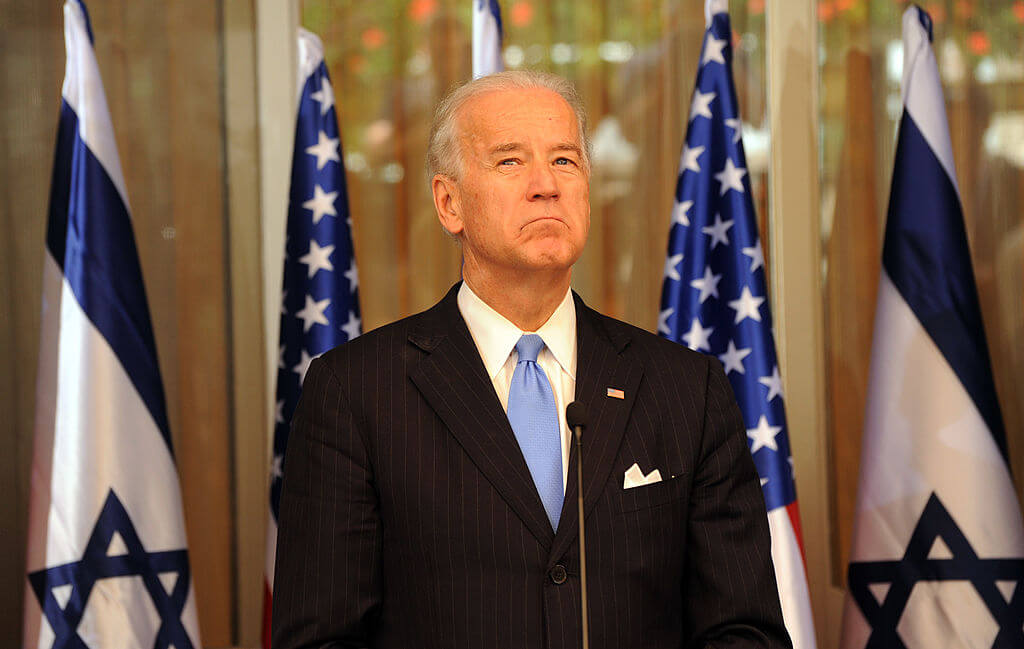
x,y
409,518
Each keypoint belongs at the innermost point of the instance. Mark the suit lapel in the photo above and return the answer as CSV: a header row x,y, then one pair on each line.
x,y
453,380
599,366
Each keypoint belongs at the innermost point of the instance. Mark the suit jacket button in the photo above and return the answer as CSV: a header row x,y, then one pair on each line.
x,y
558,574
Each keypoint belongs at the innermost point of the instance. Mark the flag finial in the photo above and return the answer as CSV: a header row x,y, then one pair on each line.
x,y
712,7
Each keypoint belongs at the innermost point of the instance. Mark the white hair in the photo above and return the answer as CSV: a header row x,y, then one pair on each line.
x,y
443,154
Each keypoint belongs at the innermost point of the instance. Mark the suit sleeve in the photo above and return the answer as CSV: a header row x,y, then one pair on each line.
x,y
730,594
327,581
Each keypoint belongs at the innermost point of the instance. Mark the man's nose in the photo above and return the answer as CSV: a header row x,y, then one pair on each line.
x,y
543,183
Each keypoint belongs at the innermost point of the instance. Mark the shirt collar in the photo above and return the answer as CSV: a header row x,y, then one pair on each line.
x,y
495,335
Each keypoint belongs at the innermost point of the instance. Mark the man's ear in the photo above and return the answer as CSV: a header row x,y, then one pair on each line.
x,y
446,203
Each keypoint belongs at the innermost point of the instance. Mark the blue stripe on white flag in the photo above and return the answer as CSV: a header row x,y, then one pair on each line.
x,y
60,184
927,258
90,236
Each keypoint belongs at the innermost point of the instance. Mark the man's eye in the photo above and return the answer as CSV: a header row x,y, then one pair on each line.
x,y
564,161
508,162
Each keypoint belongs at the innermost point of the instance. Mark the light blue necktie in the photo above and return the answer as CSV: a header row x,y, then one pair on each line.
x,y
534,418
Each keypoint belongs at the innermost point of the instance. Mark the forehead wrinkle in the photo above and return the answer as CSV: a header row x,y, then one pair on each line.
x,y
471,132
467,139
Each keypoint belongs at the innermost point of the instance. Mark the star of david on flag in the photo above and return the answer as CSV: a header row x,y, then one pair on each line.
x,y
320,296
714,299
937,558
107,556
115,550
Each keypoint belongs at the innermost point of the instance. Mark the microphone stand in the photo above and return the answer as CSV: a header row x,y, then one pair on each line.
x,y
576,417
583,544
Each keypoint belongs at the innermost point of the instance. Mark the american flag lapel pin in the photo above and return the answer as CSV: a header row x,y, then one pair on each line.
x,y
615,393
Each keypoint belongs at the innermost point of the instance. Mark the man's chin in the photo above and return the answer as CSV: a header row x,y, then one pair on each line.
x,y
554,259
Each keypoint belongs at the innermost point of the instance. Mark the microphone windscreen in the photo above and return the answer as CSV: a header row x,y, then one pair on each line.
x,y
576,414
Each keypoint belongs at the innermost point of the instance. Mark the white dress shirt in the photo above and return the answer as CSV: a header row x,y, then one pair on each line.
x,y
496,337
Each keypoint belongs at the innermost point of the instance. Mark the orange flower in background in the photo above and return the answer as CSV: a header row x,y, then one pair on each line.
x,y
420,10
979,43
1018,10
374,37
826,11
845,5
755,7
521,13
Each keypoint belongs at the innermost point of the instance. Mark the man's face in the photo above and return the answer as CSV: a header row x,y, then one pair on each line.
x,y
522,200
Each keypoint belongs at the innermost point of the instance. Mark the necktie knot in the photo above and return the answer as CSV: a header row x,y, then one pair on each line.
x,y
529,347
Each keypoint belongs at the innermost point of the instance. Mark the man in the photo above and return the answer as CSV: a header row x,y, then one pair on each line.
x,y
425,499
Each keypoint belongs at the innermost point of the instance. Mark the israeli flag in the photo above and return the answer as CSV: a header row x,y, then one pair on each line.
x,y
938,547
107,558
486,38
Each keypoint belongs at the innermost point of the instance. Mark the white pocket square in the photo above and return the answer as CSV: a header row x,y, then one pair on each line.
x,y
636,478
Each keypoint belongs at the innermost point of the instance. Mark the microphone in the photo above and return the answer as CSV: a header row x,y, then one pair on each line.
x,y
576,417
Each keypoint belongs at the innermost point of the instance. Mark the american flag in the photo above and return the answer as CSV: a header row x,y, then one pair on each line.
x,y
320,297
714,298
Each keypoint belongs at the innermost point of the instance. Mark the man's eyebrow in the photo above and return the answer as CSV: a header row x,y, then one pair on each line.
x,y
519,146
508,146
568,146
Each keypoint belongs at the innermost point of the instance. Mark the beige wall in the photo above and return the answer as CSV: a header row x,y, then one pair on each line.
x,y
27,127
